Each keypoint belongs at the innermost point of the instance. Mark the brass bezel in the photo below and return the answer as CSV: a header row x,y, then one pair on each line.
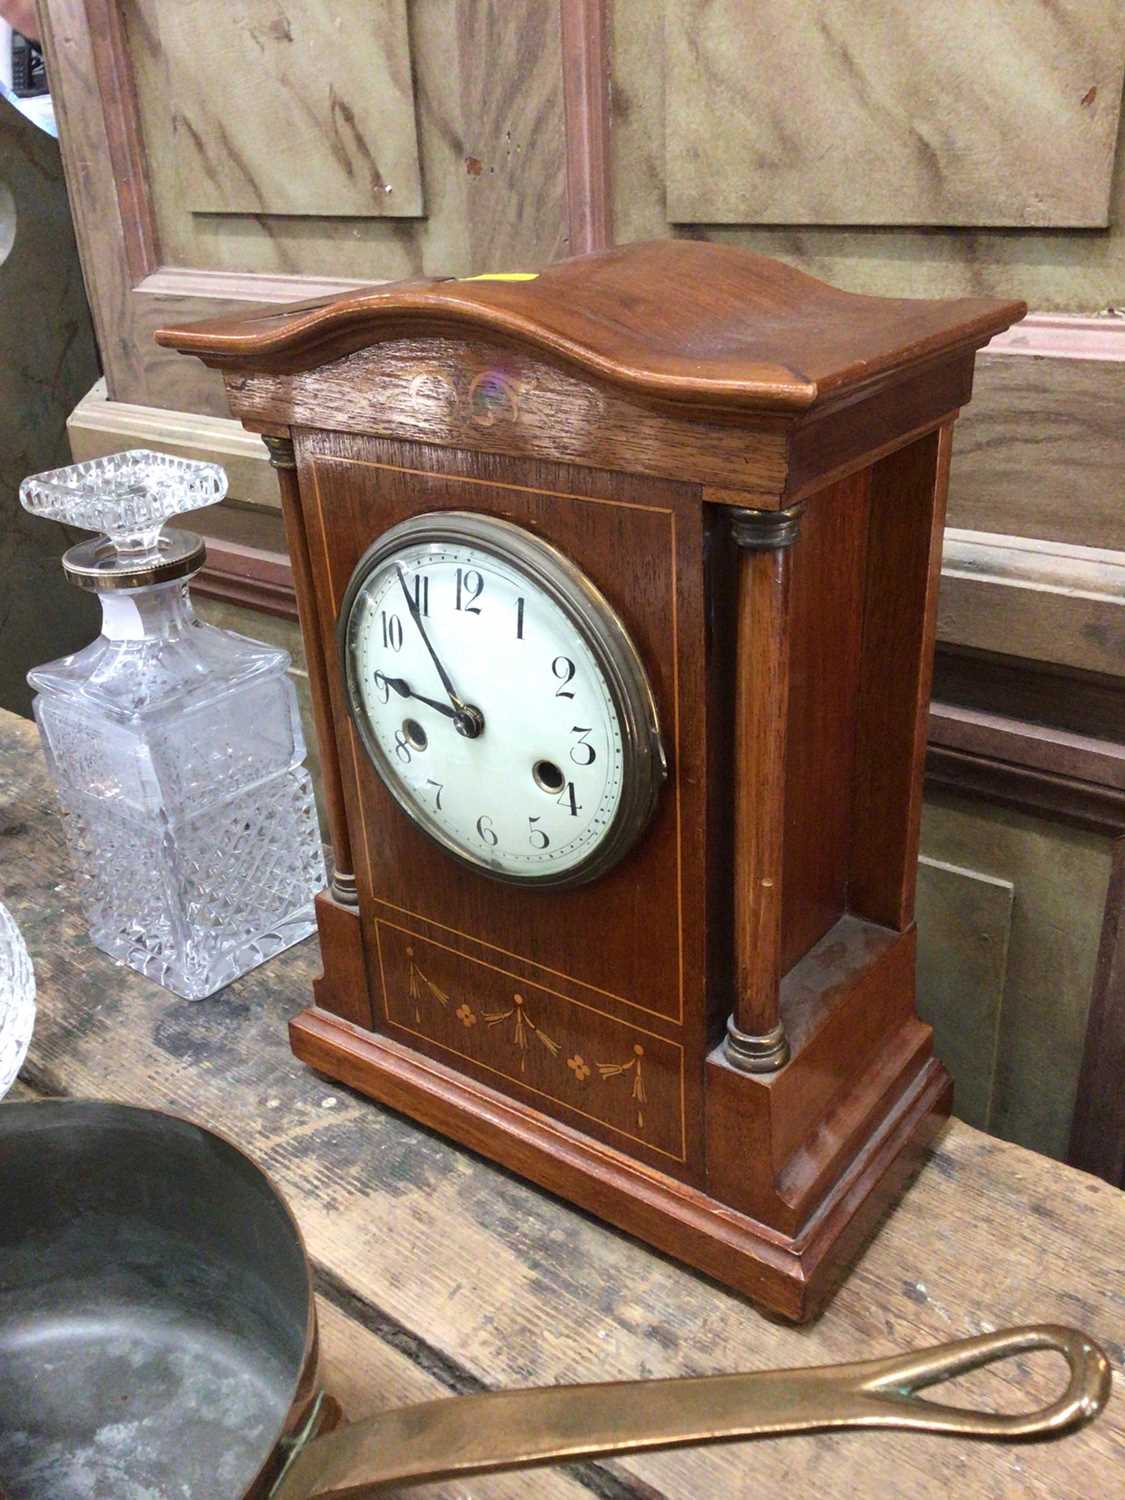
x,y
644,764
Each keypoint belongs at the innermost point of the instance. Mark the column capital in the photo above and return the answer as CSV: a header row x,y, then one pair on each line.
x,y
765,530
280,451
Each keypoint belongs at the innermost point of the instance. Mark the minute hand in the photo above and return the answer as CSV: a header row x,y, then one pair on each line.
x,y
416,616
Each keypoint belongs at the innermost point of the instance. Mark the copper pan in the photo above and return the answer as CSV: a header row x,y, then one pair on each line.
x,y
158,1337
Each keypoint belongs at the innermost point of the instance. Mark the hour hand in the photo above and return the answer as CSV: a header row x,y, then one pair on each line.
x,y
404,690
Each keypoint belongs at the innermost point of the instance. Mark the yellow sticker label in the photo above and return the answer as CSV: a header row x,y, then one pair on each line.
x,y
503,276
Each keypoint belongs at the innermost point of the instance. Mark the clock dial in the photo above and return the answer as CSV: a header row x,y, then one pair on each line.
x,y
500,698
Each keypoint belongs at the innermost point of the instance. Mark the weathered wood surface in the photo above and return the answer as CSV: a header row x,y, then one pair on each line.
x,y
1040,450
965,917
443,1271
782,114
1051,268
482,122
355,150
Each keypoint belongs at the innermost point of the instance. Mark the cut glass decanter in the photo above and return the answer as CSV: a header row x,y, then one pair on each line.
x,y
17,1000
176,747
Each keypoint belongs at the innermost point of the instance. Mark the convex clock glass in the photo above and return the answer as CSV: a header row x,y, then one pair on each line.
x,y
500,698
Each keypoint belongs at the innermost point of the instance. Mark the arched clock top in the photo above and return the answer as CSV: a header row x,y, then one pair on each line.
x,y
675,321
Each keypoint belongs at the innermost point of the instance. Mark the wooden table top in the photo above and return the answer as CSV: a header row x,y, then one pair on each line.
x,y
438,1272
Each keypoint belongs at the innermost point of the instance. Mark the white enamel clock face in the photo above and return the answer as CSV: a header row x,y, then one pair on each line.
x,y
500,699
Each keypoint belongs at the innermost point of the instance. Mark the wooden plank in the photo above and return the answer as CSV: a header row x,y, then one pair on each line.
x,y
513,1287
964,921
1041,600
22,1093
1035,692
368,1374
1038,747
1053,269
251,576
1040,451
782,113
85,134
586,86
513,168
123,130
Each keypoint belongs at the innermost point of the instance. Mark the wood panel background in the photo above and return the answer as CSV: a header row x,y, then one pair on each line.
x,y
964,923
332,81
1040,449
1058,878
794,112
466,94
483,116
1072,270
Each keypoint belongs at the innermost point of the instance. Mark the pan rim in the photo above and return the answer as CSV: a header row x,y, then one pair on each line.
x,y
305,1384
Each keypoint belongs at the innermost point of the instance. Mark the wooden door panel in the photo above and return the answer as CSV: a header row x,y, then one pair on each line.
x,y
214,162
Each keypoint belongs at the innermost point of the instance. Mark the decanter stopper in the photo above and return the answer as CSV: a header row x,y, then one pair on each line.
x,y
127,497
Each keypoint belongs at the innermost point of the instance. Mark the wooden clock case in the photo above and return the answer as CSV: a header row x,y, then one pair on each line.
x,y
715,1045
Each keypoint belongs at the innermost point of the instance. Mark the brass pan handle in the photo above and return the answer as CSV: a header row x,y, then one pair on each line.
x,y
465,1435
893,1384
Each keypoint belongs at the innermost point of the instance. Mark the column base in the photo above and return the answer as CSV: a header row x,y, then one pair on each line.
x,y
756,1054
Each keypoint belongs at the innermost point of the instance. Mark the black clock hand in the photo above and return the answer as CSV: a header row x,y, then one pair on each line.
x,y
404,690
467,720
416,616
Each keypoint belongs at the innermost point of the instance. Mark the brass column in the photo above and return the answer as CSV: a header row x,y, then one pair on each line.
x,y
755,1039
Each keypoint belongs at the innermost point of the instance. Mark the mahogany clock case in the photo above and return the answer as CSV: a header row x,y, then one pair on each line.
x,y
751,467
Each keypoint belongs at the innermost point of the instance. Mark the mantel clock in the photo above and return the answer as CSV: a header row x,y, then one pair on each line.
x,y
618,584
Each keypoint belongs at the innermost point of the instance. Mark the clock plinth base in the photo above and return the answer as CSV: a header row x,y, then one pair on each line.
x,y
790,1276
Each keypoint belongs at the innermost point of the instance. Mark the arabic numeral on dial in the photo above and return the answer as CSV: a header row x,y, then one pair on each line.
x,y
420,593
440,787
582,753
563,668
485,831
382,687
402,747
537,837
392,630
567,798
470,586
519,618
